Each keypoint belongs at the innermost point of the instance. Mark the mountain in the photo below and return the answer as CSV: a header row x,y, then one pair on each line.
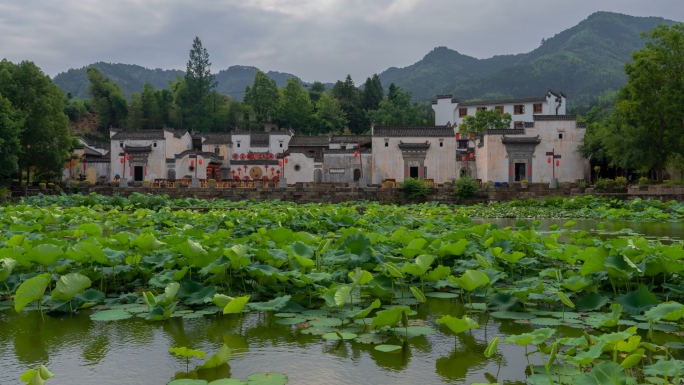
x,y
582,61
231,81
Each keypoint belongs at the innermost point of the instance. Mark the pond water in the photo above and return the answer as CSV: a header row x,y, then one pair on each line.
x,y
79,350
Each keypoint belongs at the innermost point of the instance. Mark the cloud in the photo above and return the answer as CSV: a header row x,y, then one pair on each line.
x,y
314,39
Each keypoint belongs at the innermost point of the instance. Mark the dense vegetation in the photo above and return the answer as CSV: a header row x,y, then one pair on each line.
x,y
334,272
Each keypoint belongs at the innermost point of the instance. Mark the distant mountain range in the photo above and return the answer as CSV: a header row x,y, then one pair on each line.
x,y
582,61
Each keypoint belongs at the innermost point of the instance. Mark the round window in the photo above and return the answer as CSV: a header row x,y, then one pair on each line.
x,y
297,167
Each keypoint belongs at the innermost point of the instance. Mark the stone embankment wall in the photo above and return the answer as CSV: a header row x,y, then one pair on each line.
x,y
344,192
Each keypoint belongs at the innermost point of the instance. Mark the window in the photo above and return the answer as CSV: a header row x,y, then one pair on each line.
x,y
500,109
154,144
238,143
297,167
538,108
519,109
217,150
462,112
481,108
462,144
518,124
560,136
441,143
121,144
281,144
386,143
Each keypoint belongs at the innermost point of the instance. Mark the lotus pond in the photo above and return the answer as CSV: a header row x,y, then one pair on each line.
x,y
135,292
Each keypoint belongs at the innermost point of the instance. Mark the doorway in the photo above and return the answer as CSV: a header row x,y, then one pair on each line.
x,y
138,173
318,175
357,174
520,173
413,172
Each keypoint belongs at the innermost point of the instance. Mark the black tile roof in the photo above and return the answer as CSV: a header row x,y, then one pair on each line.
x,y
414,146
503,101
521,140
414,131
139,135
217,138
351,139
137,149
554,117
259,139
309,141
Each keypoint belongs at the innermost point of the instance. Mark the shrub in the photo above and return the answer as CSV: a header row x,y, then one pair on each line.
x,y
600,184
42,184
415,188
146,181
3,190
466,187
621,182
643,181
87,181
50,184
581,184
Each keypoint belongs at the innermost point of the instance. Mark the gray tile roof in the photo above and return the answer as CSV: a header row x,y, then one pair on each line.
x,y
350,138
139,135
309,141
503,101
414,131
259,139
554,117
217,138
136,149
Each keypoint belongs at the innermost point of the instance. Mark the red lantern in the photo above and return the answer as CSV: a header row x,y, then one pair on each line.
x,y
73,162
192,162
200,161
266,167
286,160
356,154
121,160
548,160
558,163
463,159
235,156
471,155
128,157
232,172
245,167
242,156
68,165
264,178
280,163
246,177
270,156
278,172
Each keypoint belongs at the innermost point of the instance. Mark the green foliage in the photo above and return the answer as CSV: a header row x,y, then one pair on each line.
x,y
263,96
466,187
395,110
108,100
484,120
415,188
295,108
10,130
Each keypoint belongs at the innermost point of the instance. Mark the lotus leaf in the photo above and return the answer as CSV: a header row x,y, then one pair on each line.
x,y
536,337
637,301
270,378
228,381
470,280
511,315
668,311
592,301
37,376
420,267
220,358
414,331
388,348
336,335
371,338
31,290
110,315
458,325
221,300
146,242
492,347
90,295
274,304
365,312
670,368
69,285
187,381
438,273
604,373
388,317
418,294
236,305
6,267
194,293
45,254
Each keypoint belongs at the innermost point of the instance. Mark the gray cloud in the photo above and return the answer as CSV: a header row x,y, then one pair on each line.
x,y
314,39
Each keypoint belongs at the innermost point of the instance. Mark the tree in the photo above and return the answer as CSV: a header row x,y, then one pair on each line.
x,y
10,146
396,111
39,110
263,96
316,90
200,83
350,102
372,93
295,108
151,113
135,112
484,120
108,100
329,114
646,128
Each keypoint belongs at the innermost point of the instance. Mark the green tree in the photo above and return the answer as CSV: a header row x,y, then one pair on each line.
x,y
108,100
10,146
263,96
295,108
372,93
39,108
396,111
135,112
316,90
646,129
329,114
198,106
484,120
151,113
350,101
164,101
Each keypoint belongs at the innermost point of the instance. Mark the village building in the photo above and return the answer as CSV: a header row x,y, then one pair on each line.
x,y
91,162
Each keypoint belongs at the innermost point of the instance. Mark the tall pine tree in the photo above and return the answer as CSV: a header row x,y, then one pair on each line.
x,y
372,93
200,82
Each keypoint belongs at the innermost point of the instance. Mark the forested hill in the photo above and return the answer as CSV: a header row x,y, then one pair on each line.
x,y
583,61
231,81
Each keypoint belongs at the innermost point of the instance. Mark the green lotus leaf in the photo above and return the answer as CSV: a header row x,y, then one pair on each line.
x,y
534,338
470,280
576,283
564,299
337,335
592,301
147,242
37,376
420,267
457,248
187,381
92,229
393,270
511,315
228,381
220,358
302,250
545,322
110,315
236,305
441,294
371,338
290,321
6,267
365,312
418,294
587,357
30,290
388,317
280,235
187,353
274,304
360,277
194,253
604,373
193,293
633,359
388,348
492,347
270,378
45,254
221,300
438,273
637,301
668,311
414,331
69,285
90,295
458,325
342,294
326,322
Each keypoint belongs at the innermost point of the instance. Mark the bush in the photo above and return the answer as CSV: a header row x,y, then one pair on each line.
x,y
42,184
581,184
3,190
600,184
415,188
466,187
621,182
643,181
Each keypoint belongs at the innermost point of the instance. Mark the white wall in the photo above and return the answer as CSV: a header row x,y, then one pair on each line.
x,y
156,160
306,168
388,162
444,111
276,139
571,162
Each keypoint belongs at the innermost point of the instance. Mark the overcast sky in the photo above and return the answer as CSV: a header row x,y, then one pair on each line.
x,y
313,39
